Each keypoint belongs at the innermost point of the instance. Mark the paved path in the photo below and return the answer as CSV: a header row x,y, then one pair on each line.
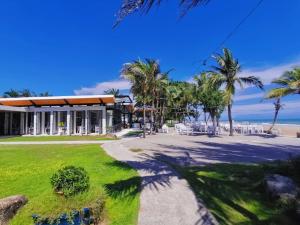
x,y
166,199
200,150
54,142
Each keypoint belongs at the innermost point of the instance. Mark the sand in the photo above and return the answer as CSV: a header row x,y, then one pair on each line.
x,y
285,129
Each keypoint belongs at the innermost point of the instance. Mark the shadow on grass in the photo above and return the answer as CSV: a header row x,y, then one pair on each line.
x,y
124,188
233,193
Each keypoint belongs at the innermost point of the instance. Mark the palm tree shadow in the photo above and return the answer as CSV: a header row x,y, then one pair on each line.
x,y
154,175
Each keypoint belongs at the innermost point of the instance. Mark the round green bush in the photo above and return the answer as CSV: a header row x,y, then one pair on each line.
x,y
70,181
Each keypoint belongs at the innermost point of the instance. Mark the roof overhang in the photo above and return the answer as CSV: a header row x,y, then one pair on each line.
x,y
58,100
12,109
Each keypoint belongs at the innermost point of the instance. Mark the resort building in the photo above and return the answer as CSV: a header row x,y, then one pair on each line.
x,y
64,115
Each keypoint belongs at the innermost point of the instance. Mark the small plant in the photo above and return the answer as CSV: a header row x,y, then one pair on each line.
x,y
70,181
61,124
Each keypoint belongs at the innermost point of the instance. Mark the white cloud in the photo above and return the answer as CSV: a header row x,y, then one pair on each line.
x,y
289,107
270,73
248,97
99,88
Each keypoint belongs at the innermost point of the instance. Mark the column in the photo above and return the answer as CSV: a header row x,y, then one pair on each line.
x,y
34,123
51,122
43,123
104,120
6,123
86,122
22,123
10,123
74,123
68,122
26,123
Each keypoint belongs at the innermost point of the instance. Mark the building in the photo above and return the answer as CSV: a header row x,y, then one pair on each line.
x,y
64,115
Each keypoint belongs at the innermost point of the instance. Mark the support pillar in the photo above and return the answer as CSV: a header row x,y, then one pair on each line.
x,y
43,123
6,121
34,123
104,120
69,122
86,122
26,123
74,122
10,123
51,122
22,123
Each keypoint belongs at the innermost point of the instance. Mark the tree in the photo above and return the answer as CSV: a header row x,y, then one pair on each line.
x,y
210,97
112,91
277,107
226,73
141,75
132,6
45,94
12,93
287,84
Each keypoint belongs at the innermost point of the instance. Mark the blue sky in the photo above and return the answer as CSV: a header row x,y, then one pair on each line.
x,y
68,47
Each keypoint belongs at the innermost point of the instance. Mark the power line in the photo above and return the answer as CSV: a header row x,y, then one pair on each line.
x,y
230,34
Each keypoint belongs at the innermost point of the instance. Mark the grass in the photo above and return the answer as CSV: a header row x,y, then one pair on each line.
x,y
56,138
235,194
134,133
27,170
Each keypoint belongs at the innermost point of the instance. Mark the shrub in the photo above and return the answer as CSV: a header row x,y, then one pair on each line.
x,y
70,181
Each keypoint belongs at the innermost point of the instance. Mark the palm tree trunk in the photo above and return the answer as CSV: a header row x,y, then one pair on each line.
x,y
213,117
144,120
152,118
230,120
274,120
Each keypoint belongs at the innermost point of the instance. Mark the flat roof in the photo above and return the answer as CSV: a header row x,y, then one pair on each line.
x,y
58,100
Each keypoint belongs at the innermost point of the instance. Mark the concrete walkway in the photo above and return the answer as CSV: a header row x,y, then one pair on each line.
x,y
166,199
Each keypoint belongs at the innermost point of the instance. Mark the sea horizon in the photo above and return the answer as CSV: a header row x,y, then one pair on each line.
x,y
269,121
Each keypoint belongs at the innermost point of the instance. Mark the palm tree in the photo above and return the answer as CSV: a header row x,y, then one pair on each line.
x,y
289,83
141,75
11,94
112,91
131,6
277,107
227,72
210,97
45,94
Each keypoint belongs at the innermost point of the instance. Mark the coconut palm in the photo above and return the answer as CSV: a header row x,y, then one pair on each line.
x,y
142,75
210,97
112,91
277,107
227,71
11,94
288,83
131,6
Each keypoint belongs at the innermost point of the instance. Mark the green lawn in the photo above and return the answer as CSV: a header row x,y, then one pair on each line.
x,y
234,193
56,138
27,170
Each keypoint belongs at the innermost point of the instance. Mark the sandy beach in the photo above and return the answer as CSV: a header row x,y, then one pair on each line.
x,y
285,129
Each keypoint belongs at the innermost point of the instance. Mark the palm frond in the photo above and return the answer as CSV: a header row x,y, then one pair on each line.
x,y
252,80
131,6
279,92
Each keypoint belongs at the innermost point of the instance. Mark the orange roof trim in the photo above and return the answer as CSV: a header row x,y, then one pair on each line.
x,y
58,100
